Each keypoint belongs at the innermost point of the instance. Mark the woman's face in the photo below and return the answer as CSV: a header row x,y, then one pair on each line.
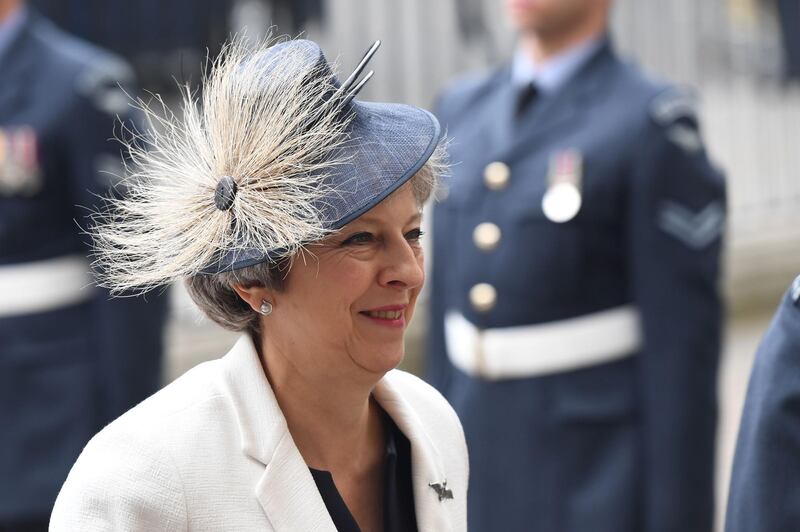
x,y
348,300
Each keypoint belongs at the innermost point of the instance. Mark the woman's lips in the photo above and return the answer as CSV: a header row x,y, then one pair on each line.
x,y
384,314
390,316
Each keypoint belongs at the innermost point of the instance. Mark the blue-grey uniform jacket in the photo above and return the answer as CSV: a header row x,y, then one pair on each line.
x,y
606,422
71,360
765,485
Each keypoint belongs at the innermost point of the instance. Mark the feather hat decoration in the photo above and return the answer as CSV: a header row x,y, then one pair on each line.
x,y
277,156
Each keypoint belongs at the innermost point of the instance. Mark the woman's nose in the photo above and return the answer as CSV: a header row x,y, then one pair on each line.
x,y
404,266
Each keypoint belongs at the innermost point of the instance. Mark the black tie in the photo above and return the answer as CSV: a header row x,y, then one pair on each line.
x,y
526,96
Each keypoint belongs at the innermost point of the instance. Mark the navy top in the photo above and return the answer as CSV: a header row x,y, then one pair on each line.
x,y
398,495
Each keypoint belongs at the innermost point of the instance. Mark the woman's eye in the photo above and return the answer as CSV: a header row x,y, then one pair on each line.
x,y
415,234
358,238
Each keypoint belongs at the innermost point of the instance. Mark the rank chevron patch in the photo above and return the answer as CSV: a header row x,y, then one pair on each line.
x,y
696,230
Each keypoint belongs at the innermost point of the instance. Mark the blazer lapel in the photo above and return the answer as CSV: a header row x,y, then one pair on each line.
x,y
288,494
286,490
426,464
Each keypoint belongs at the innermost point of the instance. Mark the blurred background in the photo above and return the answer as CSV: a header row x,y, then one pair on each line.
x,y
742,56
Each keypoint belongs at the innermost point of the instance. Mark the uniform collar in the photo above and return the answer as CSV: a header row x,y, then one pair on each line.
x,y
16,65
508,136
555,72
286,489
11,26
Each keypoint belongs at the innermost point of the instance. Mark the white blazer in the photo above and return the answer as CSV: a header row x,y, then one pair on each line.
x,y
212,451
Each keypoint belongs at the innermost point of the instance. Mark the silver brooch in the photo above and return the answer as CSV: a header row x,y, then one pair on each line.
x,y
441,490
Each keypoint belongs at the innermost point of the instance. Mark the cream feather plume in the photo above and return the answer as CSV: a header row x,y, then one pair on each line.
x,y
268,121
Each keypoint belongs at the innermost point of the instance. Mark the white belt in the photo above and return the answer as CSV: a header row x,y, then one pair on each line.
x,y
531,350
44,285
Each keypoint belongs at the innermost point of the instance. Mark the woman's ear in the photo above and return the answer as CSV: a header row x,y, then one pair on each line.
x,y
255,296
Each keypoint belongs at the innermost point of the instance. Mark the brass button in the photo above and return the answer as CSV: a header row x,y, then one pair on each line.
x,y
486,236
483,297
496,175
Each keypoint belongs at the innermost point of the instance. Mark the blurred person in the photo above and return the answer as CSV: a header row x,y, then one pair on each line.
x,y
789,18
575,307
764,484
162,40
70,359
293,212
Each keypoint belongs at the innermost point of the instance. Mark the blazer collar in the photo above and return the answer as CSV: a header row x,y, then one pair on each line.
x,y
286,490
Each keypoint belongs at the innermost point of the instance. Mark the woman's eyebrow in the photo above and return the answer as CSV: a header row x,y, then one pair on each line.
x,y
371,219
416,217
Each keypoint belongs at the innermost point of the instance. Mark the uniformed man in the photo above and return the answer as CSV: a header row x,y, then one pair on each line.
x,y
789,18
70,359
575,307
765,485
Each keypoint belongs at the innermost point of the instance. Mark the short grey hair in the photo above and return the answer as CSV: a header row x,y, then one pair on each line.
x,y
216,297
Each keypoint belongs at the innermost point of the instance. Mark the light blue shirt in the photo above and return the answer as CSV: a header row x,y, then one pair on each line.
x,y
553,73
10,26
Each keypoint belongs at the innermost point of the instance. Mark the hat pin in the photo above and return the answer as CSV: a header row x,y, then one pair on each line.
x,y
351,79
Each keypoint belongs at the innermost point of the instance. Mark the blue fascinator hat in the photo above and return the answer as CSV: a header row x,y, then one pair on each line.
x,y
275,154
387,143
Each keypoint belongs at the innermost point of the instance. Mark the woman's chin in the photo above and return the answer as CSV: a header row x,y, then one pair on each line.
x,y
384,360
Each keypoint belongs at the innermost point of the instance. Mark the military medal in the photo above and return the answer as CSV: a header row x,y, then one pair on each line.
x,y
19,162
562,201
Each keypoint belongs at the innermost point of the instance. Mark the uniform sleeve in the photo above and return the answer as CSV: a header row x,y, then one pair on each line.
x,y
120,483
127,331
764,492
676,218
